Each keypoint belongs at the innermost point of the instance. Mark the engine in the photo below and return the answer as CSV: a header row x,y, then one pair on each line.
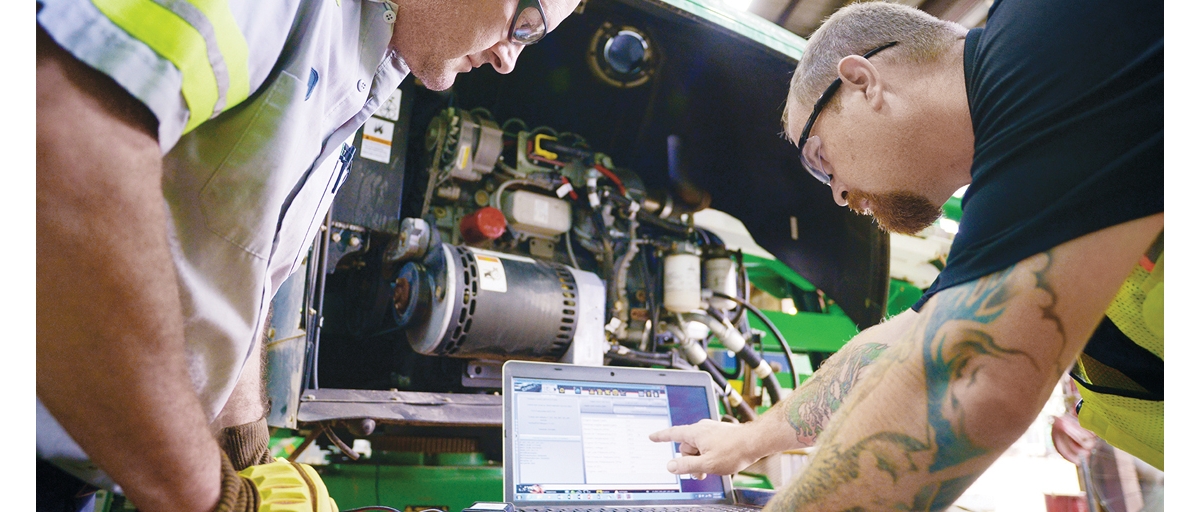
x,y
530,244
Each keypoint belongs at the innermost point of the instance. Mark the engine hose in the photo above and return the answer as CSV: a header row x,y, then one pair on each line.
x,y
621,353
787,350
726,390
695,354
734,341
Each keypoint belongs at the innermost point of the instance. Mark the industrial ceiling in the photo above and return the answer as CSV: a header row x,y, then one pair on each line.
x,y
804,16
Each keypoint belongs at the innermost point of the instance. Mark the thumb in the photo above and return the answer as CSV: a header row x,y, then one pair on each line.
x,y
688,464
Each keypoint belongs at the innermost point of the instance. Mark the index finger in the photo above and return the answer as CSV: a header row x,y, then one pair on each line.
x,y
674,434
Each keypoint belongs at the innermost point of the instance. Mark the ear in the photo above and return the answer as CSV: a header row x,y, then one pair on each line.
x,y
861,77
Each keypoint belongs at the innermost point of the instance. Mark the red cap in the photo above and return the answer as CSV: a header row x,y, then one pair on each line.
x,y
485,224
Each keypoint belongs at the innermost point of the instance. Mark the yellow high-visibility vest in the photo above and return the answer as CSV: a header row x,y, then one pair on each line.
x,y
1121,380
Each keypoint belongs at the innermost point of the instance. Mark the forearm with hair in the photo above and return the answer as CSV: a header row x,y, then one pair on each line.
x,y
809,408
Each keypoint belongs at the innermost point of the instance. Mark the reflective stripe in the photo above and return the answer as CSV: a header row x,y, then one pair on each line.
x,y
175,40
192,15
202,40
233,47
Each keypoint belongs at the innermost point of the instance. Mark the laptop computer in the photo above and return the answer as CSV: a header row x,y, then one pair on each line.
x,y
577,438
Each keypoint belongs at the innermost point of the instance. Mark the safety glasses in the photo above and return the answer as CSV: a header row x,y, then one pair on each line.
x,y
529,25
810,147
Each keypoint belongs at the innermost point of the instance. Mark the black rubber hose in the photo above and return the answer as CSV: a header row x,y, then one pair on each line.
x,y
753,360
723,385
787,350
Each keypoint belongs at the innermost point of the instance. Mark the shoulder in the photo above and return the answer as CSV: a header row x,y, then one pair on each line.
x,y
187,62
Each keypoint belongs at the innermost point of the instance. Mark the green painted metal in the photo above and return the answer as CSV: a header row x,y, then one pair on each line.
x,y
807,332
953,209
901,296
397,486
751,481
770,275
743,23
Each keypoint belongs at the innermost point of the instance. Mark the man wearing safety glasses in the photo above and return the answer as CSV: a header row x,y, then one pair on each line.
x,y
1053,115
186,154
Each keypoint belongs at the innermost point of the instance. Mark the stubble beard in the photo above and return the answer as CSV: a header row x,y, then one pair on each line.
x,y
437,77
897,212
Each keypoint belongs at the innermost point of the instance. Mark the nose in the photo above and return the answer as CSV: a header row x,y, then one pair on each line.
x,y
505,56
839,193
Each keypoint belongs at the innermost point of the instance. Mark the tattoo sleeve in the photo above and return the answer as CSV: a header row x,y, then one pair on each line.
x,y
822,395
924,424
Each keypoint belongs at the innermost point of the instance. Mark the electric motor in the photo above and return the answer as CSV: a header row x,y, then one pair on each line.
x,y
472,303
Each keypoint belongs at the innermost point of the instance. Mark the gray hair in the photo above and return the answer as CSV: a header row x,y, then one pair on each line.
x,y
854,30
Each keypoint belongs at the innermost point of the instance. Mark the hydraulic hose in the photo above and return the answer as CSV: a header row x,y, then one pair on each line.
x,y
695,354
734,341
787,350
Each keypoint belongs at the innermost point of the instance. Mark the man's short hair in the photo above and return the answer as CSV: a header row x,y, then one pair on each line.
x,y
856,29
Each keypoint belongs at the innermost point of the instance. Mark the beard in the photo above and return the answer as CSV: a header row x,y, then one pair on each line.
x,y
897,212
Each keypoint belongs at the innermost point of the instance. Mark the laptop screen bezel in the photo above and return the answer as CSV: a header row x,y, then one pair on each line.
x,y
606,374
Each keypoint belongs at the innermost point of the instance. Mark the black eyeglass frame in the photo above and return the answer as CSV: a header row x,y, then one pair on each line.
x,y
820,104
512,26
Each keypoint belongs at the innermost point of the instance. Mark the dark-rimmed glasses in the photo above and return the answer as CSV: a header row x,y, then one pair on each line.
x,y
810,147
529,25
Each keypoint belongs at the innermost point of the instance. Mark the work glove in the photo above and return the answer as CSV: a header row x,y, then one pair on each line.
x,y
281,486
251,480
247,444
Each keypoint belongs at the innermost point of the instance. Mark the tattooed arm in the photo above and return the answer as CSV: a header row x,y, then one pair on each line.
x,y
966,380
724,448
808,409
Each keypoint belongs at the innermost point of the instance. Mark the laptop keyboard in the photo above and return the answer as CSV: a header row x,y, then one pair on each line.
x,y
647,508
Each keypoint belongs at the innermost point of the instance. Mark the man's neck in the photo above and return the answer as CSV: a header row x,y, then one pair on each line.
x,y
941,88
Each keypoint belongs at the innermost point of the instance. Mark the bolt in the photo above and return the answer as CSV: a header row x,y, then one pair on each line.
x,y
355,241
336,236
309,397
362,427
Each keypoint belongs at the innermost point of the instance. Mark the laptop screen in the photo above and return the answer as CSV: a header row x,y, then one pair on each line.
x,y
581,440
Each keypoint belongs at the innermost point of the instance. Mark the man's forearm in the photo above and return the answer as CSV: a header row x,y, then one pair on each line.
x,y
808,409
111,365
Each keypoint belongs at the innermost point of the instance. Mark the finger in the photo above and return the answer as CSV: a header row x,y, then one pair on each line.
x,y
676,434
686,465
688,449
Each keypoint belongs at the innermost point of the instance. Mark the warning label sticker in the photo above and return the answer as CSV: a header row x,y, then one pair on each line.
x,y
491,273
377,140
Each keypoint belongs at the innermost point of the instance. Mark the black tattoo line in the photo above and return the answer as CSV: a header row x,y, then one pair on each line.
x,y
825,392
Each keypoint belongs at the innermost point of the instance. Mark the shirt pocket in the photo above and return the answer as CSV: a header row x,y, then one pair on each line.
x,y
307,211
277,140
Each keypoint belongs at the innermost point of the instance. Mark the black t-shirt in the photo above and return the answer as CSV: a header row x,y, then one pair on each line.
x,y
1066,100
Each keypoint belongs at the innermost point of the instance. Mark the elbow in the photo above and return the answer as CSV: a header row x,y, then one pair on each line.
x,y
996,407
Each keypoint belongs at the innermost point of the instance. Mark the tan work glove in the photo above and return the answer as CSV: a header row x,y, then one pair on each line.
x,y
252,481
246,444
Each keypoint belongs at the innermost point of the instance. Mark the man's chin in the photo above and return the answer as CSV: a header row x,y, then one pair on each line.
x,y
905,213
436,81
903,227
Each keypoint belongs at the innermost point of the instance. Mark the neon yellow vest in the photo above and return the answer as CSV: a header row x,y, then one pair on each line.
x,y
1115,405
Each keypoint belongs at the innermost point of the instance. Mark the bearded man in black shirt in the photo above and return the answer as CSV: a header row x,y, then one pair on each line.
x,y
1053,115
